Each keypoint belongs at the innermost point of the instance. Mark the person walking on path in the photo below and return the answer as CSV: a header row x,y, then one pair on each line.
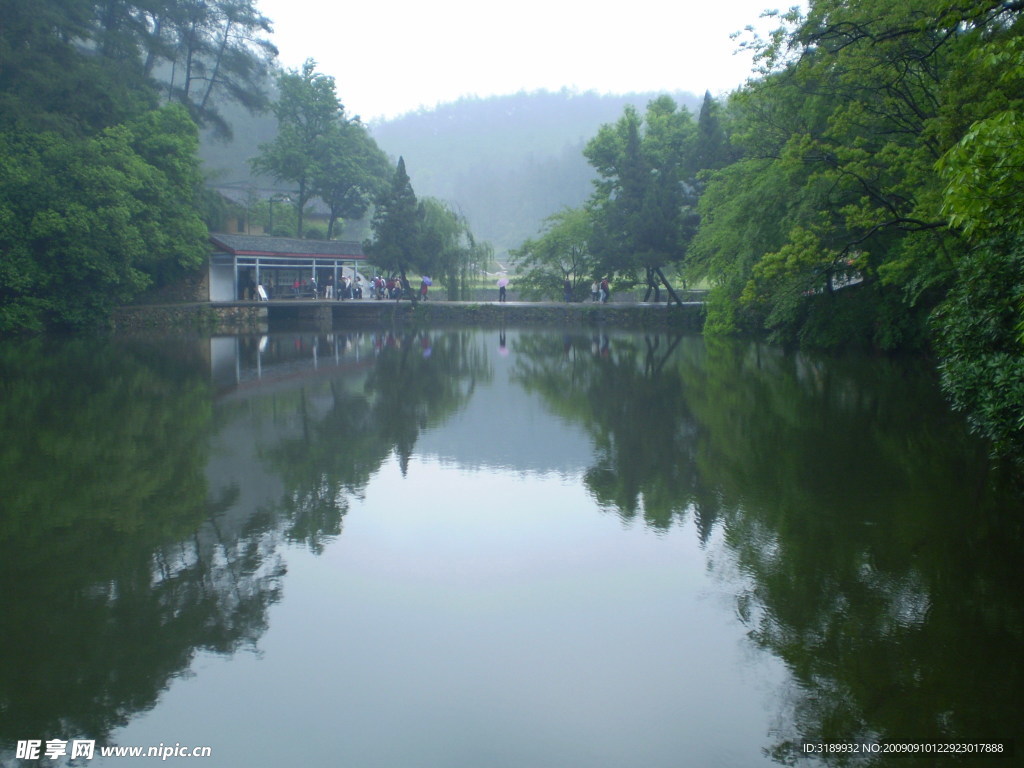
x,y
567,290
605,290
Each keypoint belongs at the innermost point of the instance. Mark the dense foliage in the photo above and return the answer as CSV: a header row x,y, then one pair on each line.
x,y
641,216
86,222
100,192
877,198
864,190
100,104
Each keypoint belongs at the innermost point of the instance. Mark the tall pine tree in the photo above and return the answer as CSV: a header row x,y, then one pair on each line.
x,y
711,150
397,230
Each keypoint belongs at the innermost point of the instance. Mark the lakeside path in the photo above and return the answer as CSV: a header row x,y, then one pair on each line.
x,y
319,314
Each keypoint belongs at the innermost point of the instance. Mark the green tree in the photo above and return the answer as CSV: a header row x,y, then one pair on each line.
x,y
99,195
351,174
746,210
310,121
980,323
397,227
711,149
88,223
216,52
880,188
49,81
562,252
859,102
448,247
82,63
644,191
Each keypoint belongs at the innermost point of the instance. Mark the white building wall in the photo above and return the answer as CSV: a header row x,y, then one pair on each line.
x,y
222,282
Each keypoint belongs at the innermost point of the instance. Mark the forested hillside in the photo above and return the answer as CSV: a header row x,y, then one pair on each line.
x,y
506,162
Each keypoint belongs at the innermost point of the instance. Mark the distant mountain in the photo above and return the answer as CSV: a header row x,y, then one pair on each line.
x,y
506,162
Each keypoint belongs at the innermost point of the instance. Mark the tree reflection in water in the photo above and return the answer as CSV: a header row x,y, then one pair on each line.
x,y
119,561
887,584
114,570
876,568
630,400
416,380
865,542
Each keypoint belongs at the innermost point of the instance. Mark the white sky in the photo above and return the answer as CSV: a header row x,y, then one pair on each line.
x,y
389,57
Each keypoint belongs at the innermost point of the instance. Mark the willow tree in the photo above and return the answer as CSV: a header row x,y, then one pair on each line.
x,y
448,248
561,252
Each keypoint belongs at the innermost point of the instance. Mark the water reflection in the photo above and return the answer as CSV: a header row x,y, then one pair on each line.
x,y
877,551
152,492
114,566
633,405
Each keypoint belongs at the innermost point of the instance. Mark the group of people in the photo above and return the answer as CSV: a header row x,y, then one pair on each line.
x,y
600,290
391,288
300,287
347,288
386,287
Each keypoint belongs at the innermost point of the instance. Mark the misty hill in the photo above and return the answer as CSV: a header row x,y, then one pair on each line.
x,y
227,162
505,162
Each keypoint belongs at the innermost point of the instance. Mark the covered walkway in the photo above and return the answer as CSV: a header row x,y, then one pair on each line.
x,y
241,265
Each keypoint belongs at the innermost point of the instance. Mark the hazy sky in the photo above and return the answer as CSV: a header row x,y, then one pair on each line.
x,y
389,57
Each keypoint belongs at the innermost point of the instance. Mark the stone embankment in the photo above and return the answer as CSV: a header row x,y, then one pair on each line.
x,y
238,317
248,316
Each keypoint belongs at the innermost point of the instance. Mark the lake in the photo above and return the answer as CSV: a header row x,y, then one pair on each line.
x,y
460,548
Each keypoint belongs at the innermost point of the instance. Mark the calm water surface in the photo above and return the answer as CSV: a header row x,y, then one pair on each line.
x,y
487,549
